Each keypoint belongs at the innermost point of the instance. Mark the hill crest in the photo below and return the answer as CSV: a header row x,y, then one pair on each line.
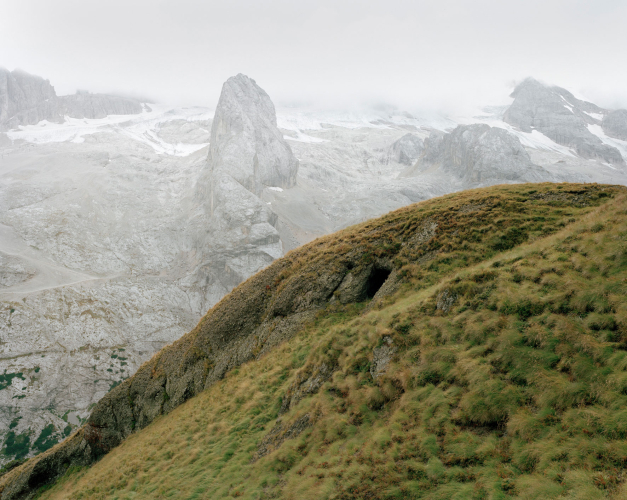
x,y
412,248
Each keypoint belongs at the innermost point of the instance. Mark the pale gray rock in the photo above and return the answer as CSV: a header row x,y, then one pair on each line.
x,y
445,301
561,117
86,105
28,99
405,150
478,155
381,358
188,132
239,234
245,141
14,270
615,124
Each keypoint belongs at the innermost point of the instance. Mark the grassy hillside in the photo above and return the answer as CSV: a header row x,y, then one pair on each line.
x,y
497,369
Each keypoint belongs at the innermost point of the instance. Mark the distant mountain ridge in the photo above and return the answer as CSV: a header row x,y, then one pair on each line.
x,y
168,234
27,99
563,118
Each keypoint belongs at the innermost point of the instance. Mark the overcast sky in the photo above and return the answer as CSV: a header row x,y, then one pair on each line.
x,y
414,53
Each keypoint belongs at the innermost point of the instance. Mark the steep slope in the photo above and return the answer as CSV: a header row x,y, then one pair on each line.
x,y
562,117
477,155
27,99
237,232
245,141
405,150
480,323
92,235
614,124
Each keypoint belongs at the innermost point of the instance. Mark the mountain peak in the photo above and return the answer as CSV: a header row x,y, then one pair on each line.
x,y
245,141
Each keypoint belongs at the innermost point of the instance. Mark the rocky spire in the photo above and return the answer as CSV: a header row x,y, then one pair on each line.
x,y
245,141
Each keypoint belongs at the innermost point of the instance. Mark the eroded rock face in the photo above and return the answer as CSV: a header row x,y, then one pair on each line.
x,y
253,319
25,99
561,117
28,99
406,150
478,155
245,141
239,234
86,105
615,124
381,358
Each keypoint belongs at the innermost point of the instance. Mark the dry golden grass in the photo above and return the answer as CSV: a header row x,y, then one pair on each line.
x,y
519,391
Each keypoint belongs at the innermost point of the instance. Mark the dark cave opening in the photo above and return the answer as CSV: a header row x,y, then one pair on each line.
x,y
375,280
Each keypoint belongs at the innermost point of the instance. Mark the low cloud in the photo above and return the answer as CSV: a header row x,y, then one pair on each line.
x,y
414,54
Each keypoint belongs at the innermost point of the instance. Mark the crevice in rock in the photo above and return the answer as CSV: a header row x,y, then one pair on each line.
x,y
377,277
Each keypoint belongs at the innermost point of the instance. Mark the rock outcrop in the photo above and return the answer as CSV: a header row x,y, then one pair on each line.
x,y
241,234
245,141
87,105
615,124
269,308
560,116
478,155
28,99
406,150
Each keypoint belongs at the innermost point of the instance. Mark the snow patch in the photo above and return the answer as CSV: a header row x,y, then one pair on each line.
x,y
142,128
610,141
534,139
300,137
567,105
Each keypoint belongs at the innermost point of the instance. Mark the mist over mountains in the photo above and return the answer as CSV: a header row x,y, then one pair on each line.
x,y
122,222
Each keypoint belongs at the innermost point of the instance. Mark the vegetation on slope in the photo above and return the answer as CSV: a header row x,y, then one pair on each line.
x,y
507,373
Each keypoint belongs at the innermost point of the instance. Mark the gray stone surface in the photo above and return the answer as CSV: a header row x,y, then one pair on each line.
x,y
25,99
237,232
110,241
87,105
478,155
561,117
615,124
381,358
28,99
245,141
406,150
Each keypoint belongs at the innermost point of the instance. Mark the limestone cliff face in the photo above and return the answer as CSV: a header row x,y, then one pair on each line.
x,y
28,99
561,117
406,150
477,155
245,141
615,124
240,233
86,105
